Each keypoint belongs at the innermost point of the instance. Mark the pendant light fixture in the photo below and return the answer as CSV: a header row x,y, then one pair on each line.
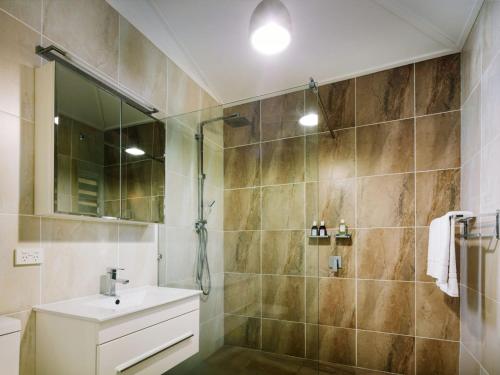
x,y
270,27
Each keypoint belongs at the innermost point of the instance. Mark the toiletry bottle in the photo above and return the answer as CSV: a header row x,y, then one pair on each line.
x,y
314,229
342,227
322,229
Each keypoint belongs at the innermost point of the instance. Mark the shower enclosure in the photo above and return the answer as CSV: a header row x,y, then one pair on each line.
x,y
242,193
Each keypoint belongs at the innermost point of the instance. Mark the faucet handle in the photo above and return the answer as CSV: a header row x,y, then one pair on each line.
x,y
114,269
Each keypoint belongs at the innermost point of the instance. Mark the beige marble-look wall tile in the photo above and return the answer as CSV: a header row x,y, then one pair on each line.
x,y
180,200
438,141
330,158
490,97
471,320
17,151
28,11
437,85
283,161
242,209
283,207
386,201
338,99
283,252
437,193
490,37
89,29
242,331
395,86
386,306
490,179
280,116
385,352
330,201
385,148
17,67
212,307
71,246
331,344
184,95
283,298
242,251
21,284
180,253
283,337
318,252
471,61
470,127
242,167
242,135
436,357
143,67
467,364
242,294
138,254
386,254
437,315
181,149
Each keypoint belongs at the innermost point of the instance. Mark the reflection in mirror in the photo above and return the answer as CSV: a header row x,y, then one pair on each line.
x,y
143,166
109,157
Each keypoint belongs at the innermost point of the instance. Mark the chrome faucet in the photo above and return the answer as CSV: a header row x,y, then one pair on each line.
x,y
109,280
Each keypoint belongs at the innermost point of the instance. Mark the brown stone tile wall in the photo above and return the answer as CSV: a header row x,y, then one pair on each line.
x,y
393,166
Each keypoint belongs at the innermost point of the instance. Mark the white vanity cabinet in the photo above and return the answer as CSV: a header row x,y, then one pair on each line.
x,y
149,341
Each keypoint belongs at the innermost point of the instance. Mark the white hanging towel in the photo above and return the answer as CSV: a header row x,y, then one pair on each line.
x,y
441,257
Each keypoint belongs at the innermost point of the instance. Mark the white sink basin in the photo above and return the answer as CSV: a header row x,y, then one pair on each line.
x,y
125,301
101,308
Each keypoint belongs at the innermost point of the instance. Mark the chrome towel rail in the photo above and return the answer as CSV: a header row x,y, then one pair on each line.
x,y
465,221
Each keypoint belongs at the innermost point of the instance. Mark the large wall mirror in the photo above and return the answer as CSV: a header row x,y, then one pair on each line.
x,y
109,157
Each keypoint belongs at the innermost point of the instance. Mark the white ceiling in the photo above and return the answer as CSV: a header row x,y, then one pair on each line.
x,y
332,39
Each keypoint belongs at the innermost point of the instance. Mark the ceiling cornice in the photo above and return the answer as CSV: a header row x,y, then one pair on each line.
x,y
474,13
419,23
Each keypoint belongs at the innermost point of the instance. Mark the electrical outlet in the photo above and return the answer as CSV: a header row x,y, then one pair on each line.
x,y
29,256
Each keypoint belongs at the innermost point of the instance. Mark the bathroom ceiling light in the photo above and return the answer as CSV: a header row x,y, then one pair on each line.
x,y
270,27
311,119
134,151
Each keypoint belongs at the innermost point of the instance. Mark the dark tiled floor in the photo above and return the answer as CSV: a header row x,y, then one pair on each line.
x,y
231,360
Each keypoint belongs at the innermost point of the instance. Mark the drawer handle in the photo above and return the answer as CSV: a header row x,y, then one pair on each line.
x,y
133,362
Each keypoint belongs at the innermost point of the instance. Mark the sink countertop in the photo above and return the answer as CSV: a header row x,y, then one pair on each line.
x,y
99,308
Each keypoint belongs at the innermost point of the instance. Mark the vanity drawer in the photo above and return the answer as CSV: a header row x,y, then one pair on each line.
x,y
153,350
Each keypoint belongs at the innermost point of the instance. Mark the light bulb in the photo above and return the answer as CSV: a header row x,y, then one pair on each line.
x,y
311,119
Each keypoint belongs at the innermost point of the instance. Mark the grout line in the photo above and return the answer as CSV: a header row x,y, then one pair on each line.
x,y
343,129
345,328
355,223
305,224
261,198
415,215
341,179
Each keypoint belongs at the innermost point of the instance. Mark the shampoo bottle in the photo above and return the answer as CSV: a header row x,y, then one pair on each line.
x,y
314,229
322,229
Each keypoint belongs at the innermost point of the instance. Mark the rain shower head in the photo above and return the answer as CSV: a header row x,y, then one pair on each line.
x,y
236,120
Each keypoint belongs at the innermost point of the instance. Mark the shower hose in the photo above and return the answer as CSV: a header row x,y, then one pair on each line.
x,y
202,268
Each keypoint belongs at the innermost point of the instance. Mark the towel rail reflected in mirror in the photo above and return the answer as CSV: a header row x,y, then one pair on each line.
x,y
465,221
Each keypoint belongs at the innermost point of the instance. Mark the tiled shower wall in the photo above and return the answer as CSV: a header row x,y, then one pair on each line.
x,y
393,166
76,252
181,215
480,271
